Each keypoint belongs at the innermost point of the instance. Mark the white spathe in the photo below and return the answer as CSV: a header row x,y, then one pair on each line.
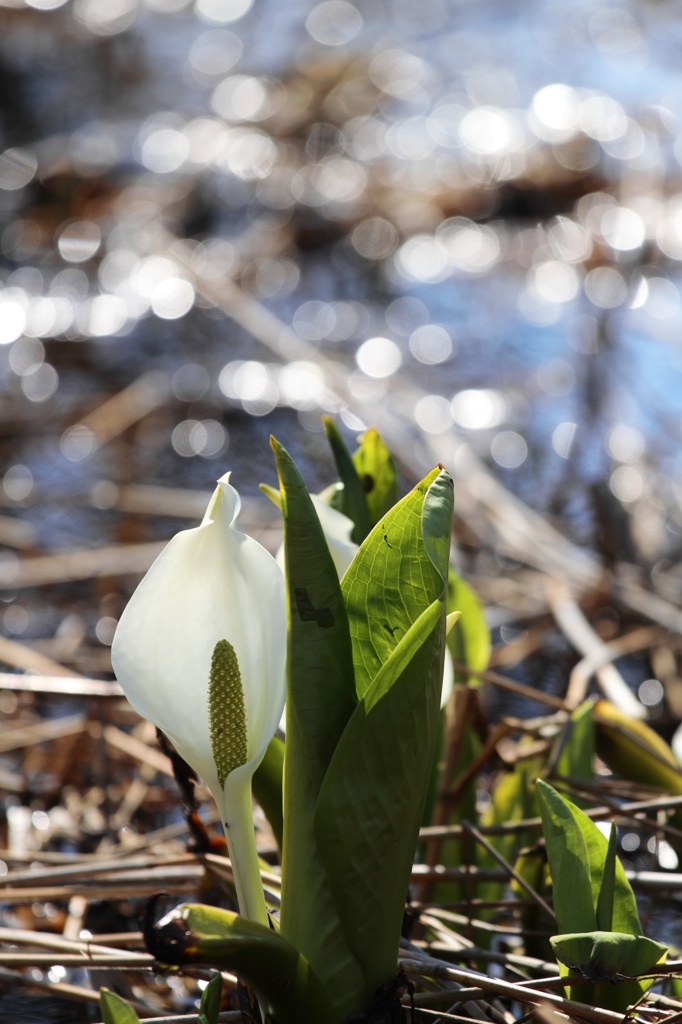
x,y
211,583
337,529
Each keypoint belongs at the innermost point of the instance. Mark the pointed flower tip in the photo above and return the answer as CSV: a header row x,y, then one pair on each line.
x,y
225,503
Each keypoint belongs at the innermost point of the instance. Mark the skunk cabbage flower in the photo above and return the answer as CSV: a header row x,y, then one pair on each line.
x,y
337,529
200,651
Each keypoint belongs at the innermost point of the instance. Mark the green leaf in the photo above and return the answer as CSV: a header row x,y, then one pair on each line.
x,y
469,639
272,493
267,787
351,498
567,881
568,863
578,745
608,886
115,1010
393,579
370,809
434,774
582,863
259,955
634,751
210,1001
376,469
403,654
608,956
320,701
371,802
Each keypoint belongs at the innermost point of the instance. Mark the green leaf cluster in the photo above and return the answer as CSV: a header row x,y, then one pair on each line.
x,y
362,715
597,919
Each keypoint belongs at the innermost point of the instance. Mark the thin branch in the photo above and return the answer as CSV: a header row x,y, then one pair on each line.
x,y
507,867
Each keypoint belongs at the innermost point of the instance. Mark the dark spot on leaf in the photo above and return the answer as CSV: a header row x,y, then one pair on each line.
x,y
308,613
390,629
367,483
387,541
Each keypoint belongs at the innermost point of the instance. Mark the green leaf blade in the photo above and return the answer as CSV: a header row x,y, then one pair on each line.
x,y
115,1010
568,863
376,469
320,701
268,782
351,499
210,1001
607,888
370,808
372,799
390,583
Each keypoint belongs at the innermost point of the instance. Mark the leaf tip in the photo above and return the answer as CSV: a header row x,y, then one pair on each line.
x,y
272,493
450,620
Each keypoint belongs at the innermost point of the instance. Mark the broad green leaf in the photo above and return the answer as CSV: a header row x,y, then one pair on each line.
x,y
434,775
371,802
115,1010
267,787
608,956
370,809
608,886
625,915
567,881
376,469
574,865
350,499
469,640
577,752
320,701
568,863
403,654
210,1001
201,934
393,579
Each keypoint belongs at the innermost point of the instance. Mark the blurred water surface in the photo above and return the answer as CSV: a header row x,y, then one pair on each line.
x,y
491,189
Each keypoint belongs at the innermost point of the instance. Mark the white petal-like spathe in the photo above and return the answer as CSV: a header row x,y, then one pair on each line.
x,y
337,529
448,678
211,583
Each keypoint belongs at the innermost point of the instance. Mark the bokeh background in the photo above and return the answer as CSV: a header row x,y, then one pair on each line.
x,y
481,200
220,219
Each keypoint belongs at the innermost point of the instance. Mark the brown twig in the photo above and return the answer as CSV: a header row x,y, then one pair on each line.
x,y
519,879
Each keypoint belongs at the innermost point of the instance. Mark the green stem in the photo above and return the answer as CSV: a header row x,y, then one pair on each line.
x,y
241,844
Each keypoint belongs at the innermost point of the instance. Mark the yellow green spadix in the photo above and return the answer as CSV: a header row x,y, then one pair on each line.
x,y
226,711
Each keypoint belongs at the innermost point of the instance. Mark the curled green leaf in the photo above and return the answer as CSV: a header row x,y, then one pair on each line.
x,y
608,956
